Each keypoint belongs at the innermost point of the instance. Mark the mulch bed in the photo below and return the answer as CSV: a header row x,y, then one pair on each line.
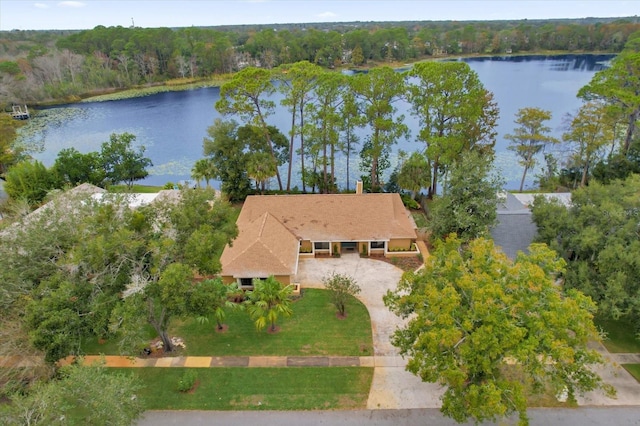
x,y
405,263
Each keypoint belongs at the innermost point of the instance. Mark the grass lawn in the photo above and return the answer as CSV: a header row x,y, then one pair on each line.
x,y
309,388
313,329
634,369
620,336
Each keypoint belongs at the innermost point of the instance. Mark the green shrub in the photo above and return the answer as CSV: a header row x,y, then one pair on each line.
x,y
188,380
409,202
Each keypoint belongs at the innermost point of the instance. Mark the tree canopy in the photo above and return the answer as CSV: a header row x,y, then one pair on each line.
x,y
486,327
598,236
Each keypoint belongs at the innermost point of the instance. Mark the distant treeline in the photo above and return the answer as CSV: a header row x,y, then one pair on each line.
x,y
45,65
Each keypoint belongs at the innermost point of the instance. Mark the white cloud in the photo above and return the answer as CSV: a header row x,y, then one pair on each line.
x,y
71,4
327,15
41,6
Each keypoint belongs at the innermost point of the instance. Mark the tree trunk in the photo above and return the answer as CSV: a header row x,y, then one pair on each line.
x,y
585,172
524,175
293,127
166,341
304,186
631,128
268,136
434,182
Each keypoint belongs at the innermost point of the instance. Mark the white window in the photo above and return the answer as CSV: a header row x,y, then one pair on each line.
x,y
377,245
321,245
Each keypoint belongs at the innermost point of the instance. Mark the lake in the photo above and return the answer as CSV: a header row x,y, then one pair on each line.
x,y
172,125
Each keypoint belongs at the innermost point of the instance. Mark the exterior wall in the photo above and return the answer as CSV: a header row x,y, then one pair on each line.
x,y
363,247
228,279
284,279
306,246
404,243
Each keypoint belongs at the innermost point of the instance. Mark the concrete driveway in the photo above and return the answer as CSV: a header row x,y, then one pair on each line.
x,y
392,387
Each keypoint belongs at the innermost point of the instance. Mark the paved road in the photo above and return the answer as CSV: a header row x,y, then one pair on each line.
x,y
584,416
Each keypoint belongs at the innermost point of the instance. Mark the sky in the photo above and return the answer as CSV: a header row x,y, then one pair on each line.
x,y
86,14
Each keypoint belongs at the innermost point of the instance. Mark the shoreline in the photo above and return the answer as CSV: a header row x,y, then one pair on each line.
x,y
178,85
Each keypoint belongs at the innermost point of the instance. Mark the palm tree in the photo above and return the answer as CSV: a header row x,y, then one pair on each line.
x,y
203,169
268,300
261,167
213,297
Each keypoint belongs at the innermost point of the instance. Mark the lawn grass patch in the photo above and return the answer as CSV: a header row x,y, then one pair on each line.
x,y
308,388
633,369
313,329
621,337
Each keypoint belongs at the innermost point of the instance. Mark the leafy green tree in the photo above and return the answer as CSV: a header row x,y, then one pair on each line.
x,y
467,206
168,298
414,173
486,327
323,125
530,137
597,235
589,132
229,158
297,83
212,298
367,154
73,168
55,317
342,288
377,91
456,113
268,300
121,162
29,180
351,119
245,95
80,395
199,226
619,87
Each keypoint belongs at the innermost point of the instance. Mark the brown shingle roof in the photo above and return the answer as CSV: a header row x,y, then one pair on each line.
x,y
334,217
271,226
264,247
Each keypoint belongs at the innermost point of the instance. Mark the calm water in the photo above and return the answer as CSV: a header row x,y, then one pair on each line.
x,y
172,125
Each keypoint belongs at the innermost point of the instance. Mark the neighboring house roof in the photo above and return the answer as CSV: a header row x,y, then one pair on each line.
x,y
264,247
334,217
515,229
272,226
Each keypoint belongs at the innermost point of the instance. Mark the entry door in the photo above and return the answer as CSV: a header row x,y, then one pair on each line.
x,y
349,247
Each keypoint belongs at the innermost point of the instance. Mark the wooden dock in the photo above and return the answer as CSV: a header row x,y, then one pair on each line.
x,y
20,114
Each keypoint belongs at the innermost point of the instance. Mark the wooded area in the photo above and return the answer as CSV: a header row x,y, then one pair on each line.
x,y
57,65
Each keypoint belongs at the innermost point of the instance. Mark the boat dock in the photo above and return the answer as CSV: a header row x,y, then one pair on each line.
x,y
20,114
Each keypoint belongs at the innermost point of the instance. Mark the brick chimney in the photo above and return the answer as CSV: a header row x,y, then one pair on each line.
x,y
359,187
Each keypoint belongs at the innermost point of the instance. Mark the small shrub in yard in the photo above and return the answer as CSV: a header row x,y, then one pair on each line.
x,y
341,287
188,380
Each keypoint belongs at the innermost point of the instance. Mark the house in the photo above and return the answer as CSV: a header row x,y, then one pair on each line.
x,y
276,231
515,229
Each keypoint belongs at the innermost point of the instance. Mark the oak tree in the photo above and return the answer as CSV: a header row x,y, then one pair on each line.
x,y
486,327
